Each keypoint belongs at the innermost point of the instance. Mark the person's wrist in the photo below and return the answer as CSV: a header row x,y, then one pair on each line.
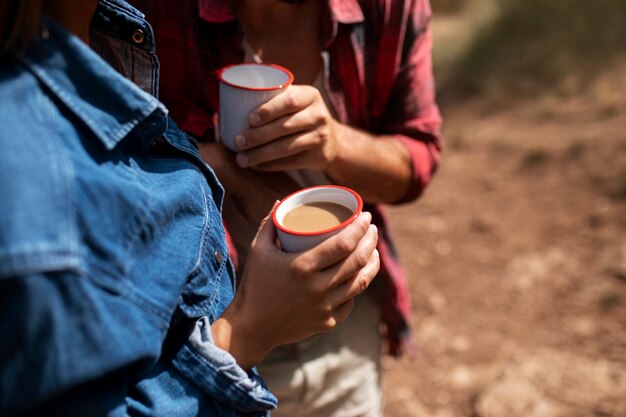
x,y
234,336
339,155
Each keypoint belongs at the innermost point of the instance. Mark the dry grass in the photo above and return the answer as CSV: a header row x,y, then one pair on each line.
x,y
449,6
533,45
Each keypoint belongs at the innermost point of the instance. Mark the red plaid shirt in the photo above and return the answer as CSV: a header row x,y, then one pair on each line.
x,y
380,80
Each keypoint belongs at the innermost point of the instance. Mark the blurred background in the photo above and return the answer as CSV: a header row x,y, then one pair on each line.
x,y
517,252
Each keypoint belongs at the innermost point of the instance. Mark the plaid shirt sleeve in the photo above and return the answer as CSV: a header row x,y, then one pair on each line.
x,y
403,105
381,79
412,114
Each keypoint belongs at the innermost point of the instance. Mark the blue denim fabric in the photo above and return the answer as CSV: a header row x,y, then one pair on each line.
x,y
113,260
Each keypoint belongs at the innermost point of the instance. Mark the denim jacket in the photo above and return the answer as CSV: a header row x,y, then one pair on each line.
x,y
113,260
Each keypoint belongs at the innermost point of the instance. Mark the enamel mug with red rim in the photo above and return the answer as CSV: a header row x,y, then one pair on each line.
x,y
243,88
294,241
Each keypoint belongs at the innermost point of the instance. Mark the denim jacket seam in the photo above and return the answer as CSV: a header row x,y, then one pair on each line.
x,y
205,235
154,310
32,257
203,308
154,75
67,177
70,177
145,218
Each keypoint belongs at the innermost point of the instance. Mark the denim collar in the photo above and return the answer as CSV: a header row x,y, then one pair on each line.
x,y
222,11
107,103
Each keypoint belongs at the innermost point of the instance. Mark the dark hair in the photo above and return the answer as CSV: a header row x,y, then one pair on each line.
x,y
19,20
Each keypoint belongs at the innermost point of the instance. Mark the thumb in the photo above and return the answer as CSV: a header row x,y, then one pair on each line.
x,y
267,232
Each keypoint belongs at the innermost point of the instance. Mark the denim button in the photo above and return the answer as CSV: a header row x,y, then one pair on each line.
x,y
218,257
138,36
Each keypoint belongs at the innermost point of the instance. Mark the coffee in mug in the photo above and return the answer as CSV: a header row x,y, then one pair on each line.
x,y
315,216
308,217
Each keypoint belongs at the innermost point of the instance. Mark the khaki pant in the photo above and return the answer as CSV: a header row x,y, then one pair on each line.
x,y
335,374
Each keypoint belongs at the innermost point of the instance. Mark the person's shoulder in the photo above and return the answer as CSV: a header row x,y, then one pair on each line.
x,y
23,105
15,81
28,119
36,224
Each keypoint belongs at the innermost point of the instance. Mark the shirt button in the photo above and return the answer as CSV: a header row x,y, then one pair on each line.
x,y
138,36
218,256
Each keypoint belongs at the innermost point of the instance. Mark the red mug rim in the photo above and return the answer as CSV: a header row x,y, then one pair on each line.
x,y
349,220
221,71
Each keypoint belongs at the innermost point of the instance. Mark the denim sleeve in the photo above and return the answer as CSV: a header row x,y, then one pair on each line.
x,y
201,380
60,352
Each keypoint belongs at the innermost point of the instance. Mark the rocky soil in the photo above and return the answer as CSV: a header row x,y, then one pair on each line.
x,y
517,262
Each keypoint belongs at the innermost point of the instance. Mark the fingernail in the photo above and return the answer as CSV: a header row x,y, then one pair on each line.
x,y
367,216
254,119
374,228
242,160
241,141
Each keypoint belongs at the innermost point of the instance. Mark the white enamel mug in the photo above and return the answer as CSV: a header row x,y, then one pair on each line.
x,y
242,89
294,241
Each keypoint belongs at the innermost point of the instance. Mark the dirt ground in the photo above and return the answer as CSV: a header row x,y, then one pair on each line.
x,y
517,262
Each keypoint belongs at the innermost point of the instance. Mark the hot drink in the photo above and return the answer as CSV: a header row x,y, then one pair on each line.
x,y
316,216
308,217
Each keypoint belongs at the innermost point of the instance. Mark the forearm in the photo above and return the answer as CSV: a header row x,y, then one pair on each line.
x,y
378,167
